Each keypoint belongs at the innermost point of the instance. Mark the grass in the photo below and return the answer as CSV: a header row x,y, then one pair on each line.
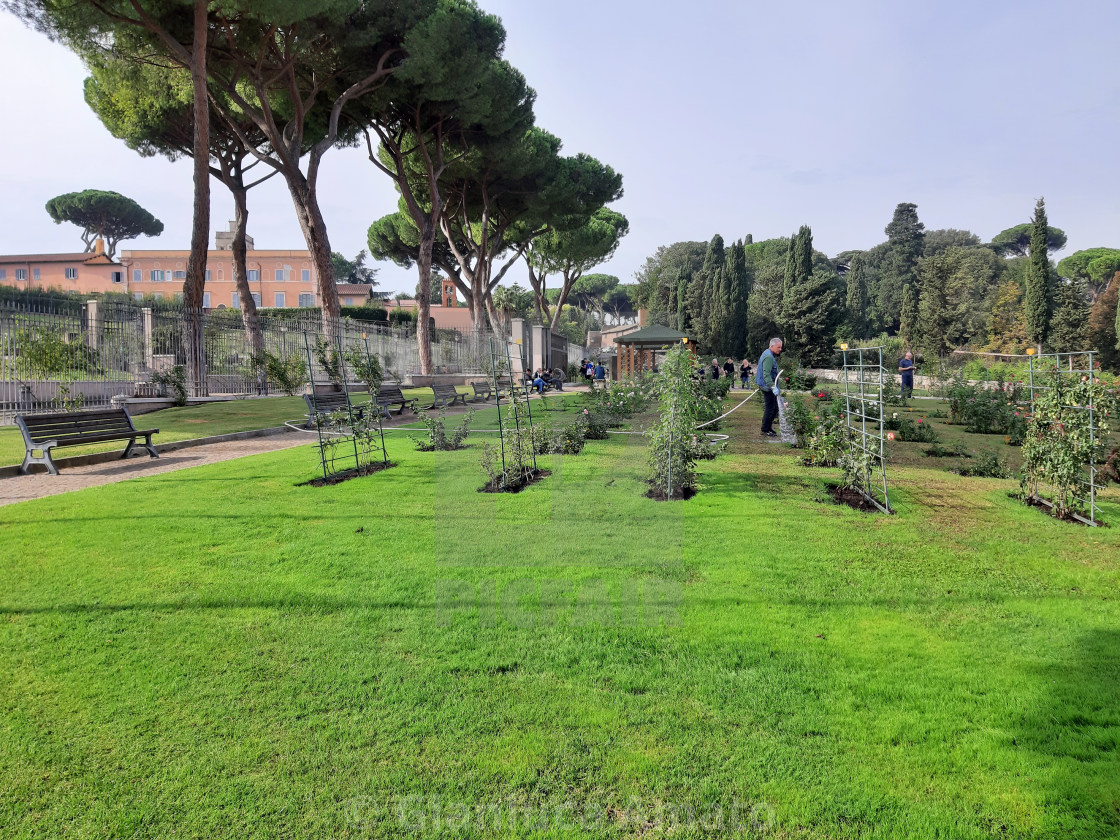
x,y
219,653
195,421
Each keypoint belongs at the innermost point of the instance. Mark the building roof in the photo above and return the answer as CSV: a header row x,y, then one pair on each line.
x,y
87,258
363,289
655,335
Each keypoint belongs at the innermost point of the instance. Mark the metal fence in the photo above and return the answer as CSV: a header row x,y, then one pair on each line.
x,y
61,354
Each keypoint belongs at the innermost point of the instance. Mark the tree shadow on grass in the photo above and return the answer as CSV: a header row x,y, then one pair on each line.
x,y
1074,735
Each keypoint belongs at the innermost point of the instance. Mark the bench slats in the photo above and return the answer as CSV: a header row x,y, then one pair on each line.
x,y
44,432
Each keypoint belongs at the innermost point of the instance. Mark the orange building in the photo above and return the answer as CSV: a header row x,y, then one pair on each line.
x,y
276,278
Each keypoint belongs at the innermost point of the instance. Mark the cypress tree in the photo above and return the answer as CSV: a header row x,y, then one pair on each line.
x,y
932,324
739,289
680,299
799,267
856,299
905,245
908,316
710,277
813,309
1066,333
1037,291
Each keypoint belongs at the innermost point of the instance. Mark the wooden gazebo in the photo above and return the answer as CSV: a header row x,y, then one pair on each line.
x,y
638,350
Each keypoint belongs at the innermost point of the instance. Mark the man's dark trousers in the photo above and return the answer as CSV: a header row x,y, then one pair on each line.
x,y
770,411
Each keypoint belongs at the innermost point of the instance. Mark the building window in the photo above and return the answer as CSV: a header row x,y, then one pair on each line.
x,y
207,275
205,300
307,300
305,275
71,274
155,275
257,298
137,295
117,276
235,300
221,274
279,275
348,301
35,274
137,275
280,299
254,275
180,275
158,295
3,274
21,273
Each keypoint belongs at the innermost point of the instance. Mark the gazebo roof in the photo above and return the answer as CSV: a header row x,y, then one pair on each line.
x,y
655,335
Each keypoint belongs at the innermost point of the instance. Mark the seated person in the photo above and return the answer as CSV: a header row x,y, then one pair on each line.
x,y
538,382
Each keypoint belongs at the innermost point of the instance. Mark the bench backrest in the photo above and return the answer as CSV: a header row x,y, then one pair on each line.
x,y
481,387
390,393
445,390
69,426
325,403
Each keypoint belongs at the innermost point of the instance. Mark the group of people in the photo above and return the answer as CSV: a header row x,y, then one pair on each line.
x,y
592,370
726,371
542,380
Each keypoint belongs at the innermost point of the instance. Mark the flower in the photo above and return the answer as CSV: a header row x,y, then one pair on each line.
x,y
890,435
919,419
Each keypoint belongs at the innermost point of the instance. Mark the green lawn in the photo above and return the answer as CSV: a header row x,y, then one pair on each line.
x,y
219,653
195,421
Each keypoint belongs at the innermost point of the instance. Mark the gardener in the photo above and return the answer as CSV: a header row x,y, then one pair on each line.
x,y
767,380
906,368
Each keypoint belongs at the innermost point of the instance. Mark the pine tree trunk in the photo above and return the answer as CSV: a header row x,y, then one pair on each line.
x,y
424,299
314,229
249,315
195,282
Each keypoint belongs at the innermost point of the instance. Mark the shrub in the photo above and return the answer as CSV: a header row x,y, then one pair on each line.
x,y
825,444
987,465
566,441
366,366
823,394
910,431
288,373
329,360
437,438
174,379
799,380
592,425
989,410
46,353
958,450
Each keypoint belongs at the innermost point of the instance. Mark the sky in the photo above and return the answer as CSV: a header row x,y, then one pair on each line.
x,y
723,117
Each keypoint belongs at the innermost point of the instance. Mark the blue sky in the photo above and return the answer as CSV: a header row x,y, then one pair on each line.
x,y
723,117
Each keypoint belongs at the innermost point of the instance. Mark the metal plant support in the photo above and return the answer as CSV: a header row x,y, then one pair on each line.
x,y
519,408
864,414
1065,367
351,438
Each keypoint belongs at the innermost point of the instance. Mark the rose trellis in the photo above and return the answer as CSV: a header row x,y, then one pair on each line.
x,y
864,458
1067,430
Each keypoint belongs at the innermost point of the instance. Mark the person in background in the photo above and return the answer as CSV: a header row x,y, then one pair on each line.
x,y
745,373
538,382
767,380
600,372
729,370
713,371
906,368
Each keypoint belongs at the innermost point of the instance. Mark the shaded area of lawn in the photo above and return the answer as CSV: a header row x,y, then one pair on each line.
x,y
219,653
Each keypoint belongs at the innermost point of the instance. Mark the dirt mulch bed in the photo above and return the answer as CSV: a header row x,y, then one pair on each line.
x,y
659,494
850,497
1047,508
531,477
338,478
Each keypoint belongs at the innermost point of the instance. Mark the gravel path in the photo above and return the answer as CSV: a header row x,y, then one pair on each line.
x,y
39,484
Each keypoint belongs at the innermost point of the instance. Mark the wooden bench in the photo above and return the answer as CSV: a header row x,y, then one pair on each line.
x,y
390,395
332,402
482,391
445,395
44,432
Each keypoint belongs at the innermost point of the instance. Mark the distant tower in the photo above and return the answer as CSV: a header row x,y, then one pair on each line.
x,y
447,289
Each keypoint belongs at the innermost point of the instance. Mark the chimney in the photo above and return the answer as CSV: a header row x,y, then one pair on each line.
x,y
99,247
